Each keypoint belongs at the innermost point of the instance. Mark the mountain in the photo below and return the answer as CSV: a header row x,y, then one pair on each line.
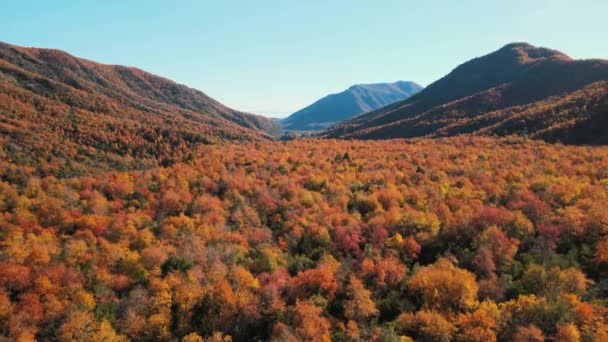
x,y
357,99
519,89
66,115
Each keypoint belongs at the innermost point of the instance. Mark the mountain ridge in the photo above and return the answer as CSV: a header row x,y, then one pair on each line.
x,y
194,99
72,116
357,99
515,75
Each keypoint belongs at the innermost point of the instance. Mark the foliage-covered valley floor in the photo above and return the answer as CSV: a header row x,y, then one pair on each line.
x,y
464,239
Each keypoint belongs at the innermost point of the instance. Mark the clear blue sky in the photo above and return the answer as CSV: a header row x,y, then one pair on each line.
x,y
275,56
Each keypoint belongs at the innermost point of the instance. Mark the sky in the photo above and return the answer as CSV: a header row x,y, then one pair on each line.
x,y
274,57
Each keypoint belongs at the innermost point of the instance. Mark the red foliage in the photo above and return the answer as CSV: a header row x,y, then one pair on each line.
x,y
411,247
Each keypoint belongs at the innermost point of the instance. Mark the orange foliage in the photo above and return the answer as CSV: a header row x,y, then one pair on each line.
x,y
458,239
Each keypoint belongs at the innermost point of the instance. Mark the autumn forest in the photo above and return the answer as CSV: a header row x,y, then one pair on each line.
x,y
467,239
133,208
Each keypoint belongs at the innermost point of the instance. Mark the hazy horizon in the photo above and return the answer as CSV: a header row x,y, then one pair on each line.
x,y
274,58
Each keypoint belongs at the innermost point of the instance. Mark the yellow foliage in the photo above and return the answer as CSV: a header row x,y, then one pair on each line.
x,y
444,287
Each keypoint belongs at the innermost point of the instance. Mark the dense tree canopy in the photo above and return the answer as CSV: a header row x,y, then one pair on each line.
x,y
460,239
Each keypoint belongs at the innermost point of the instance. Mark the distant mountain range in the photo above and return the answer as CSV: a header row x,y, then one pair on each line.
x,y
355,100
519,89
68,113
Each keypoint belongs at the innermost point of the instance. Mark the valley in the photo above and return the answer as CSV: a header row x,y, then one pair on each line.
x,y
136,208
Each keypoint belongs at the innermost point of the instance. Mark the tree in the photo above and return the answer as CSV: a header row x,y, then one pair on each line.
x,y
426,325
444,287
310,323
411,248
600,257
282,332
480,325
192,337
359,306
78,326
318,280
567,333
528,334
176,263
538,280
15,277
216,310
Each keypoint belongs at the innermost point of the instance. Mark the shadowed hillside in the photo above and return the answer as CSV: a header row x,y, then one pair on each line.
x,y
520,78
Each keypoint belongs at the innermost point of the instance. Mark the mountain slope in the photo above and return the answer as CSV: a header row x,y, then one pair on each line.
x,y
355,100
517,75
66,116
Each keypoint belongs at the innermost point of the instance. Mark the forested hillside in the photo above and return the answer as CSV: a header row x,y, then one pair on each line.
x,y
65,116
518,89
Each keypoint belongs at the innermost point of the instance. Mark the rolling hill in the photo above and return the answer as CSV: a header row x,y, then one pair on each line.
x,y
66,116
519,89
357,99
